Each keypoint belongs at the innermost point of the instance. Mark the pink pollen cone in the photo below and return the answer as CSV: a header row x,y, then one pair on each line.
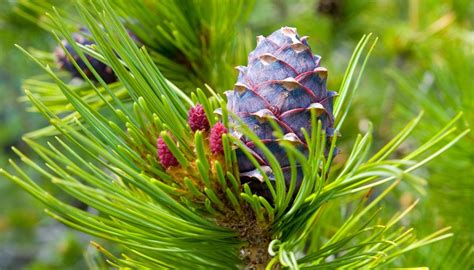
x,y
215,138
164,154
197,119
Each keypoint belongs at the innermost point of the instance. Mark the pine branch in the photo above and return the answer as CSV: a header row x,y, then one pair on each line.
x,y
195,210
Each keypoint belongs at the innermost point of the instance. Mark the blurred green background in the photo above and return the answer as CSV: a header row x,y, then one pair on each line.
x,y
28,238
424,60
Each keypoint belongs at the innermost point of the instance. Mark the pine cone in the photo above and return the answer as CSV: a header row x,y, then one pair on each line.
x,y
104,71
197,119
164,154
283,81
215,138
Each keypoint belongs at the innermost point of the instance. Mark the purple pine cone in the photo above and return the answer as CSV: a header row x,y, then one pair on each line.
x,y
105,72
283,81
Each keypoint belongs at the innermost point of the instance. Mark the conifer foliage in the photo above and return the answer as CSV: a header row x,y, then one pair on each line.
x,y
164,171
